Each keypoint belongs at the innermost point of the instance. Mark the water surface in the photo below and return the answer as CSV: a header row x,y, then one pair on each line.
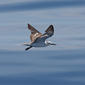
x,y
42,67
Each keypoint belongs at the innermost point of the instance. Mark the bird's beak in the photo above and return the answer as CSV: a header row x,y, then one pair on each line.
x,y
52,44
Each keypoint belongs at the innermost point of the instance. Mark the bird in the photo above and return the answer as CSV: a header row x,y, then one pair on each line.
x,y
38,39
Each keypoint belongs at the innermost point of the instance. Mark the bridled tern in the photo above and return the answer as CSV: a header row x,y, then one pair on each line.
x,y
38,39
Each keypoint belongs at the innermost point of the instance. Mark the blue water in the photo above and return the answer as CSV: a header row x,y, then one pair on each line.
x,y
42,67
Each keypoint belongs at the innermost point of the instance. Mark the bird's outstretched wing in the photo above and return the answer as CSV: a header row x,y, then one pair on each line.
x,y
48,33
34,33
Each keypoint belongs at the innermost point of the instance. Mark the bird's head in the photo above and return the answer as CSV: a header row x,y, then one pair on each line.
x,y
49,43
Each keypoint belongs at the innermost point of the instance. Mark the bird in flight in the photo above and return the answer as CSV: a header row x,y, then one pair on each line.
x,y
38,39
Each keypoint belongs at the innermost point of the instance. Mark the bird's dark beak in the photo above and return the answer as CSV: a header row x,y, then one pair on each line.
x,y
52,44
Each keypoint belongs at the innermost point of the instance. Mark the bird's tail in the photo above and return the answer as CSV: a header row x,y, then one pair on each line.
x,y
27,44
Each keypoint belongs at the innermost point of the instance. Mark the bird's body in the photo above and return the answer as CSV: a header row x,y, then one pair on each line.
x,y
38,39
40,44
37,44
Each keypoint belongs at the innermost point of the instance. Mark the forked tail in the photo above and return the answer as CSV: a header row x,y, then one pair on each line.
x,y
27,44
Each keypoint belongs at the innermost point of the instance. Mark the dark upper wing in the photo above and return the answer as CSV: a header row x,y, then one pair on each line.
x,y
34,33
48,33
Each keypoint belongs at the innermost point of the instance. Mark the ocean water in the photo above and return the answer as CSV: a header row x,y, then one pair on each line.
x,y
35,67
62,67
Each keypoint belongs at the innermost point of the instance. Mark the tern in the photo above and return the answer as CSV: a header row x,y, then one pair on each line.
x,y
38,39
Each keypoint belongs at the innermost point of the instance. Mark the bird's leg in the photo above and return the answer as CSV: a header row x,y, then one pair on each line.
x,y
28,48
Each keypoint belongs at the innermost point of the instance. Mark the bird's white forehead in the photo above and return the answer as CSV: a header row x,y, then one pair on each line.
x,y
48,42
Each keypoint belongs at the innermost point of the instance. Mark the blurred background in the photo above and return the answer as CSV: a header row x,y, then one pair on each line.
x,y
62,64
